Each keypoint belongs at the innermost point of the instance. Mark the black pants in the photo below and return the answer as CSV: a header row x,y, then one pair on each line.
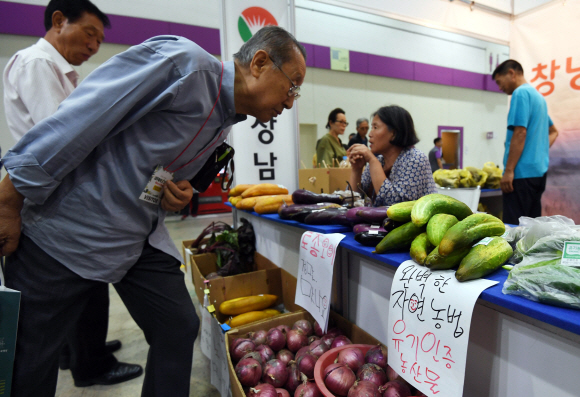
x,y
53,298
525,200
85,345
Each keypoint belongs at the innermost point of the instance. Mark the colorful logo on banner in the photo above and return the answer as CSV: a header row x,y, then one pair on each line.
x,y
252,20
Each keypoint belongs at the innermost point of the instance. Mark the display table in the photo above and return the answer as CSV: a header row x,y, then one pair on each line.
x,y
517,347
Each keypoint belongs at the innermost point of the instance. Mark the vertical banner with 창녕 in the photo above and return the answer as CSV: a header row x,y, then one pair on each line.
x,y
315,270
543,42
265,152
429,321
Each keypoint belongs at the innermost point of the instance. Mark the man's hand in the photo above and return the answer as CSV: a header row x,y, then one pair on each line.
x,y
176,195
10,206
507,181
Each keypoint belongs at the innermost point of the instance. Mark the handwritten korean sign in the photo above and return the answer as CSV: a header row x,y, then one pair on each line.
x,y
429,320
314,284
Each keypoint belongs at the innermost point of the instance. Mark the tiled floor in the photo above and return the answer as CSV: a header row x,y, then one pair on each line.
x,y
134,350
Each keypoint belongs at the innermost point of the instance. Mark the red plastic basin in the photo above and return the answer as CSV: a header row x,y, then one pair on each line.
x,y
328,358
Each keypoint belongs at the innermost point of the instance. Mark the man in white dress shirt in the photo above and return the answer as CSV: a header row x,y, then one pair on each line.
x,y
36,80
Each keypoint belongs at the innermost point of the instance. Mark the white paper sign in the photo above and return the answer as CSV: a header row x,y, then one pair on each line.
x,y
314,286
220,376
429,320
205,332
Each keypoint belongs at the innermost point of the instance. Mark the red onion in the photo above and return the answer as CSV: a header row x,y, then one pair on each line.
x,y
340,340
285,356
265,352
318,348
296,340
373,373
312,338
377,355
328,339
304,325
241,347
262,390
307,389
352,356
364,388
258,337
338,378
283,328
334,332
282,392
249,371
276,339
255,355
294,379
317,329
391,373
300,352
275,373
395,389
306,364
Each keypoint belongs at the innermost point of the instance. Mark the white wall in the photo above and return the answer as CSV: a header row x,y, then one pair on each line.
x,y
430,106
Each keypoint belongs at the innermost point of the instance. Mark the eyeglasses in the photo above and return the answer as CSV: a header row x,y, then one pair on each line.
x,y
294,90
345,123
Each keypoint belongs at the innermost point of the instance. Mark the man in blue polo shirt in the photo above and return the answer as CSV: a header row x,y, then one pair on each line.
x,y
530,134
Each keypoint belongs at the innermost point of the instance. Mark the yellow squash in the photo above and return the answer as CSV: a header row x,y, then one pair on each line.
x,y
239,189
246,204
251,317
270,205
246,304
264,189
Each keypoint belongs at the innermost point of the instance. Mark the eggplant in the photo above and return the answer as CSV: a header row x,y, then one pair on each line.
x,y
370,238
289,212
365,227
340,219
323,217
389,224
352,215
302,196
372,214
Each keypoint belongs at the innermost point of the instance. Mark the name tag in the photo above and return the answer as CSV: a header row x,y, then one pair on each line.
x,y
154,188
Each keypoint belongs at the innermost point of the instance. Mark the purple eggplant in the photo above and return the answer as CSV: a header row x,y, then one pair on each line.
x,y
389,224
289,212
370,238
340,219
373,214
302,196
365,227
352,215
323,217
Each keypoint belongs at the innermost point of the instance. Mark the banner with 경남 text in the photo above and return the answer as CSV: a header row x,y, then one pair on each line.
x,y
265,152
544,43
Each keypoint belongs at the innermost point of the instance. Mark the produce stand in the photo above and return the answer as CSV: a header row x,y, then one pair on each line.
x,y
516,346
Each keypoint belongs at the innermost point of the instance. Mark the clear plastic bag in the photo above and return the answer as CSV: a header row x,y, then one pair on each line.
x,y
539,274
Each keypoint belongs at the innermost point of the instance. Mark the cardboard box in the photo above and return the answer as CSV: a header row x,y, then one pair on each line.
x,y
323,180
354,333
267,278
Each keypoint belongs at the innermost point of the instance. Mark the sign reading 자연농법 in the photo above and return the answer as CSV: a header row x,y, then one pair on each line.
x,y
315,269
429,320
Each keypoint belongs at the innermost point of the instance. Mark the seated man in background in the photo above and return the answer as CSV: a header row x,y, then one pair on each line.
x,y
155,112
36,80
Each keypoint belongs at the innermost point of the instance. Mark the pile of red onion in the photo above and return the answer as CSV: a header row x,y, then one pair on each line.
x,y
355,374
279,362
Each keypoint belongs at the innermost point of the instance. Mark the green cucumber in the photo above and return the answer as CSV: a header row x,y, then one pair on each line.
x,y
432,204
400,238
435,261
438,226
401,212
468,231
420,248
484,259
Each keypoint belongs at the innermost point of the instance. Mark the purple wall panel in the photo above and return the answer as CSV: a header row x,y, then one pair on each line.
x,y
22,19
321,57
464,79
206,38
390,67
309,54
131,31
359,62
490,84
433,74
